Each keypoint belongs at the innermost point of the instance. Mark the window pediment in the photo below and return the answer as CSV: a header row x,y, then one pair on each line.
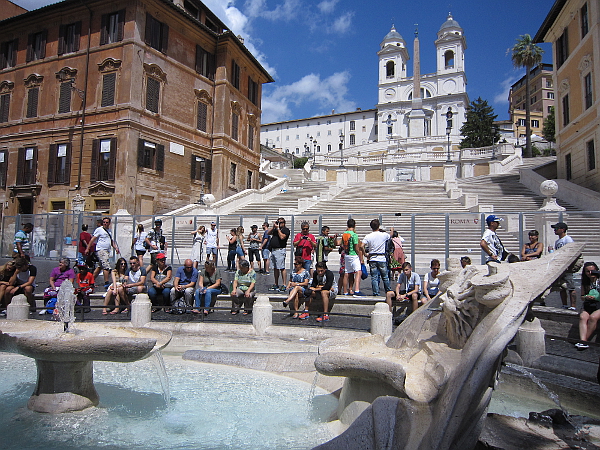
x,y
203,95
155,71
6,87
65,73
109,64
33,80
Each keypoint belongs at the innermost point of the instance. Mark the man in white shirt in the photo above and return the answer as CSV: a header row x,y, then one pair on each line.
x,y
374,245
490,242
212,243
104,241
567,284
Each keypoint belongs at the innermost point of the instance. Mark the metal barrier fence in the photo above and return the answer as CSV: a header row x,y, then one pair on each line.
x,y
426,235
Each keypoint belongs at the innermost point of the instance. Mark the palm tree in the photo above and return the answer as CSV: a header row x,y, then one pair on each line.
x,y
527,54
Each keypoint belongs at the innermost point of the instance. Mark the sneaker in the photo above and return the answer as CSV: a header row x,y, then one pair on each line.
x,y
359,294
572,308
565,307
2,313
282,288
273,287
581,346
304,315
323,318
42,312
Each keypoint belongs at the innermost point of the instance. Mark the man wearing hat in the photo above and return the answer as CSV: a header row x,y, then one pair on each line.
x,y
567,284
212,243
155,242
490,242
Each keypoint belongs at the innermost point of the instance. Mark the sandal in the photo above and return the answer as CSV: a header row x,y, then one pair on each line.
x,y
206,312
114,311
295,316
233,313
245,313
104,312
195,311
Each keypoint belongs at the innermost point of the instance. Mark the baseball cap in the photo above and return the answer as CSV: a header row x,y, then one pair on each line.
x,y
492,218
254,226
157,222
561,225
213,223
161,256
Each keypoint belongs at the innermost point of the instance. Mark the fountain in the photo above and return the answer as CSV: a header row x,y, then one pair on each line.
x,y
65,353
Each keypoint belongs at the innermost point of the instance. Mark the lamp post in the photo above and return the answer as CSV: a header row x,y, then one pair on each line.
x,y
494,131
517,126
342,151
314,154
449,115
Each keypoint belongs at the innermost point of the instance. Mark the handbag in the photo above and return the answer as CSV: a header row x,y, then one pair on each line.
x,y
594,293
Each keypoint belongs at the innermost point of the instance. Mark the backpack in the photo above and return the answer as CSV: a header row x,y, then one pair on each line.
x,y
346,237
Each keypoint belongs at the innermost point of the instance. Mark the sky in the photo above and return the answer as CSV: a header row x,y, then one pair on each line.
x,y
323,54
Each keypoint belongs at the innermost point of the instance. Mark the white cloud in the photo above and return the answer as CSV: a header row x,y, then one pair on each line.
x,y
343,23
326,94
502,97
284,11
327,6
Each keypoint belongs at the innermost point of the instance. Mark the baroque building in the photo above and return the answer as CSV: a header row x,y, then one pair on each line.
x,y
139,105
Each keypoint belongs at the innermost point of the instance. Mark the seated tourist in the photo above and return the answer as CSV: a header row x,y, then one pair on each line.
x,y
209,286
323,287
590,294
22,281
161,283
115,292
242,292
84,286
136,278
532,249
408,287
431,282
183,287
298,285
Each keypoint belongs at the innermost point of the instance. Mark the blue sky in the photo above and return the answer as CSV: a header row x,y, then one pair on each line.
x,y
323,54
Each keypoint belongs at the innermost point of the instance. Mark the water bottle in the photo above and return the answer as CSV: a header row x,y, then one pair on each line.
x,y
550,249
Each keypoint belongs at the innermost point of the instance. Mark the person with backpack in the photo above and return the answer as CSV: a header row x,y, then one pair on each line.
x,y
375,244
354,257
304,244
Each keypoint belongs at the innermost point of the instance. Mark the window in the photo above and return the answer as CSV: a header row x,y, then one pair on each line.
x,y
152,94
535,123
328,147
568,167
297,150
550,95
64,99
234,126
389,130
8,54
449,59
352,125
32,102
157,34
108,89
562,48
565,110
68,38
202,116
287,138
297,136
591,155
111,27
318,133
249,180
205,63
191,9
59,164
521,122
3,168
352,139
201,170
329,122
27,166
104,152
235,75
4,106
252,91
587,88
151,155
36,46
549,84
389,69
232,173
251,137
584,20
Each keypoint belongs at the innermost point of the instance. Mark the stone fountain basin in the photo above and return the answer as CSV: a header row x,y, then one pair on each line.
x,y
46,341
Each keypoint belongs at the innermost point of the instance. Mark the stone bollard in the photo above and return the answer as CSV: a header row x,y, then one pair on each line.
x,y
18,308
262,314
141,310
381,320
531,342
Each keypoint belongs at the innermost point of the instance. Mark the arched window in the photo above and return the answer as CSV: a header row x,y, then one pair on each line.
x,y
389,69
449,59
425,93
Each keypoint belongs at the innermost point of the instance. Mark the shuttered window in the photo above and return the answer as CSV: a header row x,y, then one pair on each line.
x,y
157,34
151,155
104,152
36,46
27,166
201,170
112,27
59,164
235,75
64,99
205,63
32,102
108,89
251,137
152,94
252,91
69,37
3,168
234,125
4,106
8,53
202,116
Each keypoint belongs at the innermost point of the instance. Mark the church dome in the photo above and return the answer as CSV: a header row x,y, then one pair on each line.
x,y
393,37
449,24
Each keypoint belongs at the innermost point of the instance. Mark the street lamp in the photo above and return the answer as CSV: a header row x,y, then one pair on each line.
x,y
449,115
314,154
517,126
342,151
494,131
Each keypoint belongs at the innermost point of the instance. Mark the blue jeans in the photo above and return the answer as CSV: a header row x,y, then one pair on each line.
x,y
377,269
207,297
159,297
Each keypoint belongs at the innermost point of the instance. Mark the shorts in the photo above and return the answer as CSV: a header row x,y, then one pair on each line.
x,y
253,253
352,263
239,252
266,254
211,250
132,290
140,252
306,291
565,282
103,259
591,306
278,258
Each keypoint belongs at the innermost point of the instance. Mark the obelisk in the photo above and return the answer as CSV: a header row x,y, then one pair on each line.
x,y
416,117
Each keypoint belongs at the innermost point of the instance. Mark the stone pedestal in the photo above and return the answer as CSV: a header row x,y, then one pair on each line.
x,y
18,308
123,230
531,342
449,172
141,310
342,177
381,320
262,314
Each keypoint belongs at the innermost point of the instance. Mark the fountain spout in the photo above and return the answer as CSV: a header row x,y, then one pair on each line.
x,y
65,304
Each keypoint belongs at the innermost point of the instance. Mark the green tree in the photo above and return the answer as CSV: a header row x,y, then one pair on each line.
x,y
478,130
549,129
527,54
299,162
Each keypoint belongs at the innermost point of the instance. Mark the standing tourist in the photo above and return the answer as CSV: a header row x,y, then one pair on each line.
x,y
305,243
212,243
231,249
325,244
103,241
264,247
279,241
375,244
254,239
198,238
138,243
490,242
567,284
155,242
22,244
353,258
